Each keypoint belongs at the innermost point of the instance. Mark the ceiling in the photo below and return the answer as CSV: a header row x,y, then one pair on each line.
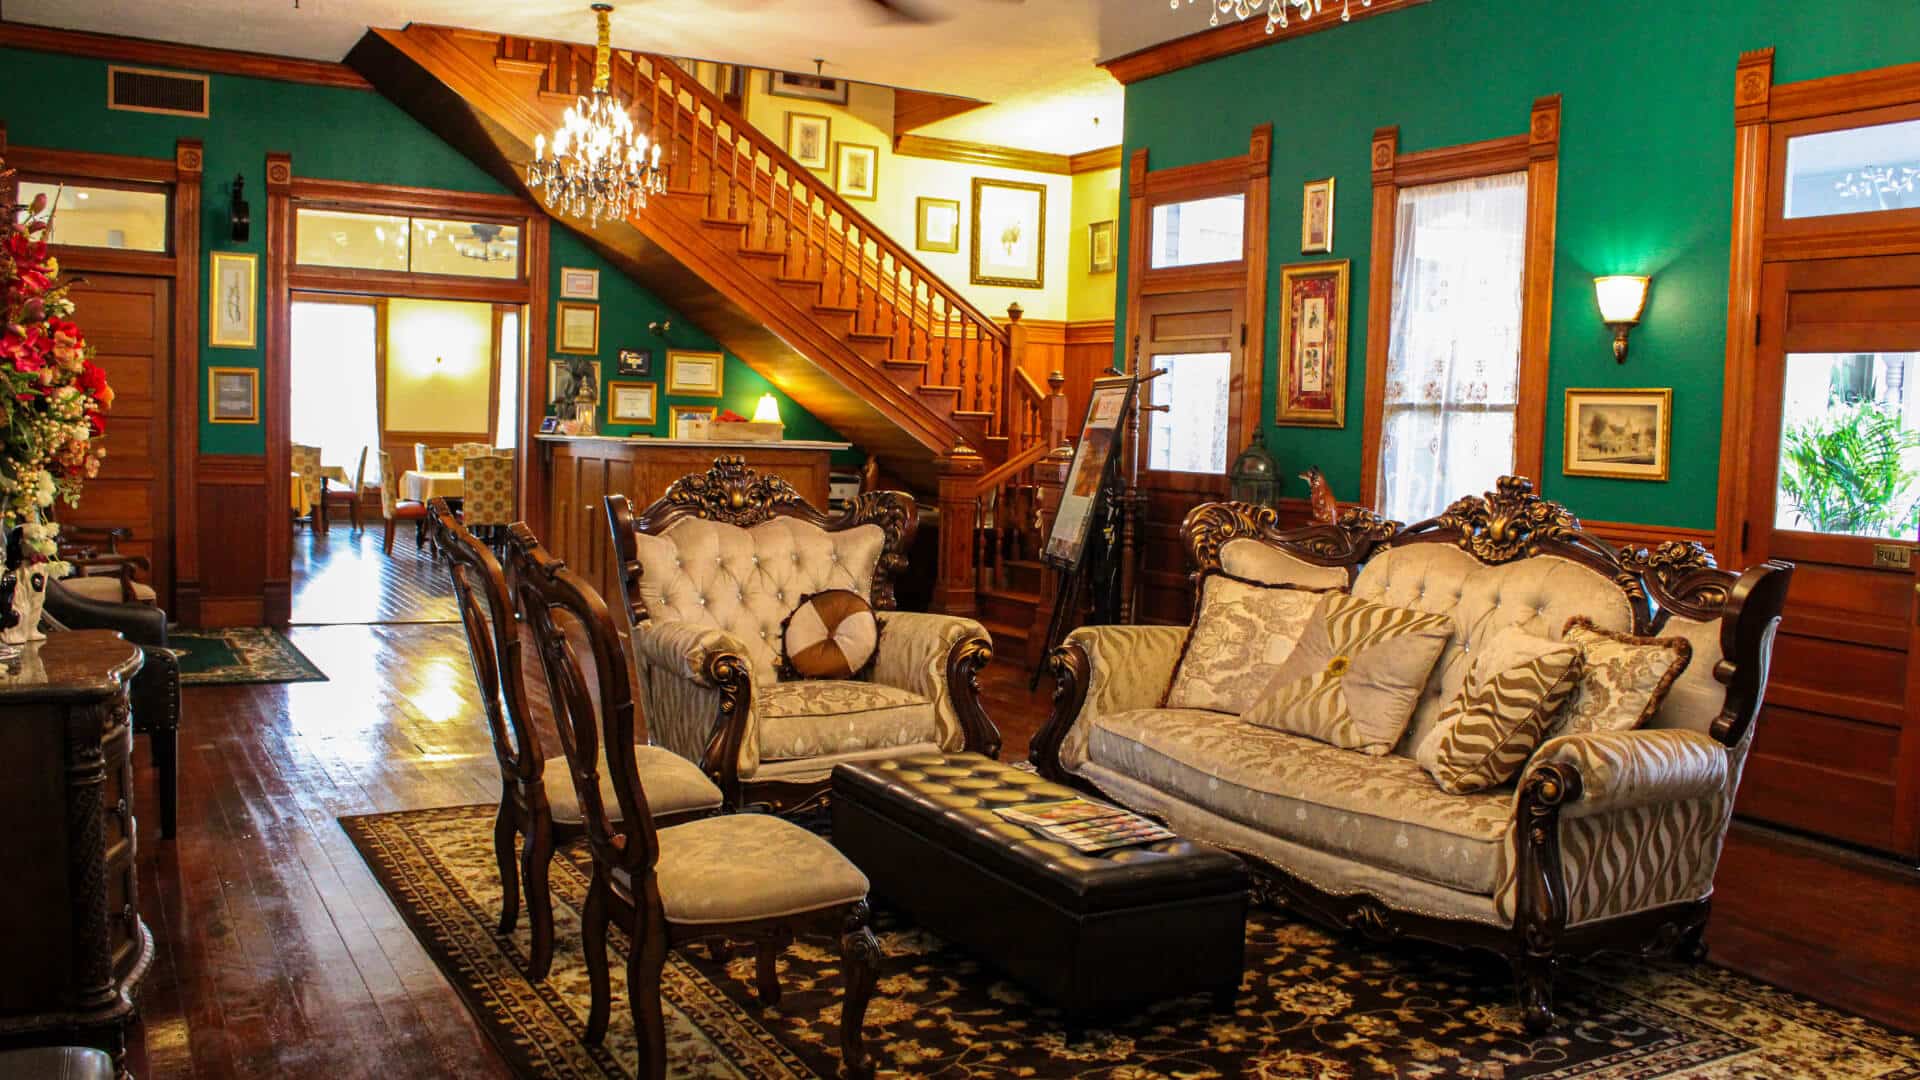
x,y
1034,59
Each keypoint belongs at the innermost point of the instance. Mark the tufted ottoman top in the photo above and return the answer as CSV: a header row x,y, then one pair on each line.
x,y
951,798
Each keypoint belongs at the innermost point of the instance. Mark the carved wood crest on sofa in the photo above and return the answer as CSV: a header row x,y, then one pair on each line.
x,y
1606,842
711,570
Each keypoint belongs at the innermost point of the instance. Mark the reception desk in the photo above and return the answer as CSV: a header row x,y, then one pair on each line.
x,y
582,471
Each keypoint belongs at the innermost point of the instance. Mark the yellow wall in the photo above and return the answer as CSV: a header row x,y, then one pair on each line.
x,y
1096,197
439,365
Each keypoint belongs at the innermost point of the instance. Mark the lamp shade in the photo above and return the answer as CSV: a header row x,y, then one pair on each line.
x,y
1622,297
767,411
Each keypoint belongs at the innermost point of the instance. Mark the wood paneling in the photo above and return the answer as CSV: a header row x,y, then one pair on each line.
x,y
171,54
240,513
1231,38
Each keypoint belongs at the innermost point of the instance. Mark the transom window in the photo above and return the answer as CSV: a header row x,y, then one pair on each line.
x,y
128,219
1199,231
405,244
1860,170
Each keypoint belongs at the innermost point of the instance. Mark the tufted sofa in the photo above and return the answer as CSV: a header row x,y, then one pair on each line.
x,y
711,572
1606,841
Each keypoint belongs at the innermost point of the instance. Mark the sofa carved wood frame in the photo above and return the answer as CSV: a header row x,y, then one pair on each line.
x,y
735,494
1499,527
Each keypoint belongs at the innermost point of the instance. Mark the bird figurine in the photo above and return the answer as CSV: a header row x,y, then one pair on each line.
x,y
1324,508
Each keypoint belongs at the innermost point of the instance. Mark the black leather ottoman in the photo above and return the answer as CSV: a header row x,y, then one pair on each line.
x,y
1090,933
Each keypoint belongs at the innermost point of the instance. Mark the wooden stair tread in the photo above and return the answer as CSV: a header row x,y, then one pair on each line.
x,y
907,365
1012,596
835,309
721,223
936,388
868,335
972,414
1000,630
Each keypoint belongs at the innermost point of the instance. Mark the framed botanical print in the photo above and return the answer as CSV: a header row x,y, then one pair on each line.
x,y
808,139
1009,233
937,224
1316,217
1619,434
233,395
689,421
577,328
579,283
233,301
698,373
1100,432
1313,345
792,84
856,170
632,402
1100,247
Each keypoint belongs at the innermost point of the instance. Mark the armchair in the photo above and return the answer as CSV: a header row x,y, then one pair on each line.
x,y
709,573
106,576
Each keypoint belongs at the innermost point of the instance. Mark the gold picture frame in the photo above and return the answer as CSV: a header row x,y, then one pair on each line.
x,y
579,283
1619,434
233,395
632,402
556,367
934,218
856,171
233,301
1314,318
694,373
1316,217
810,140
677,414
793,84
1100,259
576,327
1009,234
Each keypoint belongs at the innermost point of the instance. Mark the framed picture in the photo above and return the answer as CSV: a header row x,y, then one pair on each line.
x,y
1619,434
1316,217
633,402
679,415
856,170
578,328
1100,247
807,139
579,283
1093,455
233,395
636,362
792,84
549,425
233,301
937,224
556,375
1313,345
698,373
1009,233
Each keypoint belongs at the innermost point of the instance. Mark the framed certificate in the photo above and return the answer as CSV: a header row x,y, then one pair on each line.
x,y
233,395
633,402
579,283
578,328
699,374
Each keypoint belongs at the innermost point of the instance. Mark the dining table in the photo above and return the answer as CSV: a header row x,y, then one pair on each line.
x,y
421,486
297,494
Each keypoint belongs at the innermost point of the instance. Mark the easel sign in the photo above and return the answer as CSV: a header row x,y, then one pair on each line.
x,y
1093,458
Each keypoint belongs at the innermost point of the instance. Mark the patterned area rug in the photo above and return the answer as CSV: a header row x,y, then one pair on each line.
x,y
1311,1006
240,654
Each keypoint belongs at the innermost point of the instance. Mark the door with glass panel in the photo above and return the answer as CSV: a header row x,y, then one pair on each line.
x,y
1833,485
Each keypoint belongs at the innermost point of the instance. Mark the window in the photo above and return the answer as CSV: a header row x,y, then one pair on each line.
x,y
1453,362
1859,170
129,219
397,242
1199,231
1191,436
1850,445
334,346
506,420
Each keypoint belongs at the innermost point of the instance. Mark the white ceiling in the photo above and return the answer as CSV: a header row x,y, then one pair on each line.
x,y
1033,58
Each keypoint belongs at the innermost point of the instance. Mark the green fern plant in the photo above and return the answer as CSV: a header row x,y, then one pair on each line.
x,y
1846,471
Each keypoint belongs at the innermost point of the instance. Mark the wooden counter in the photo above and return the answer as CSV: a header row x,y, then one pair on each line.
x,y
582,471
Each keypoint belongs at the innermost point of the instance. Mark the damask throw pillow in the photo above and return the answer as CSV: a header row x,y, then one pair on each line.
x,y
1623,677
1355,676
1242,632
1513,693
831,635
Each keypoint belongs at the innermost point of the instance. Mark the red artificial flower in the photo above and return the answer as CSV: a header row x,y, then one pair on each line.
x,y
92,379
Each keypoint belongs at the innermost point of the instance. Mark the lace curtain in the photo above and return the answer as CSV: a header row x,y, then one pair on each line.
x,y
1453,364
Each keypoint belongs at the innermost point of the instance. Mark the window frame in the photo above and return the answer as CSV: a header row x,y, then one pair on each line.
x,y
1536,153
163,189
517,222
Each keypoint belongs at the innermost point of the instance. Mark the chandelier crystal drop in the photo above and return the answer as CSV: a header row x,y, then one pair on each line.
x,y
1277,10
599,164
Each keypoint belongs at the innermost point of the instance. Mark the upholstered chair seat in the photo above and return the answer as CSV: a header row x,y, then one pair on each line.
x,y
108,590
747,867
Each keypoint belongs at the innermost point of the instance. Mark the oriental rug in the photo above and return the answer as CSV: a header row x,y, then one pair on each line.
x,y
240,654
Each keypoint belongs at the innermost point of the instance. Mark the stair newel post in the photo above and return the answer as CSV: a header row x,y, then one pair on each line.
x,y
1055,422
953,588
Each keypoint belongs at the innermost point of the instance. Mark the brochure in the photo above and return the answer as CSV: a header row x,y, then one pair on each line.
x,y
1084,825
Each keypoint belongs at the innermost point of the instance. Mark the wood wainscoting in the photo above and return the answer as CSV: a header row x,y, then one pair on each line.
x,y
1081,351
231,498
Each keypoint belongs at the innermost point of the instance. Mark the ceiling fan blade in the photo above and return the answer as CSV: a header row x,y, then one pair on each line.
x,y
906,11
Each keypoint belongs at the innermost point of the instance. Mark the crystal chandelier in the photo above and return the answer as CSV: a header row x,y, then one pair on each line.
x,y
601,166
1277,10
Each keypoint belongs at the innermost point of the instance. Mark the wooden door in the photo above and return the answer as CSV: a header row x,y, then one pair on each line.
x,y
1837,378
127,320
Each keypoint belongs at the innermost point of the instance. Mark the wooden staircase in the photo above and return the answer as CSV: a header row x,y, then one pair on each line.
x,y
753,247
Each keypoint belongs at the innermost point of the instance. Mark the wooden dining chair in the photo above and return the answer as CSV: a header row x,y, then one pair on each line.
x,y
350,499
396,509
305,462
544,819
752,876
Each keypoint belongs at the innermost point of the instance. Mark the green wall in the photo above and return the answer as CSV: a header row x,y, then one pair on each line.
x,y
1646,153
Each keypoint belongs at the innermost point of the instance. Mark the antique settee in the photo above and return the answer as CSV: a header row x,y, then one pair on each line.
x,y
712,570
1606,841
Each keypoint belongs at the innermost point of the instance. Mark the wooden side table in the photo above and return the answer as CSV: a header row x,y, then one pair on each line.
x,y
70,924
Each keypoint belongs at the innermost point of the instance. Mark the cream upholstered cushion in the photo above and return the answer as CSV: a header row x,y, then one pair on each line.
x,y
671,783
1242,632
105,588
813,718
1538,594
1696,698
1384,811
1250,559
1515,687
741,867
746,581
1623,678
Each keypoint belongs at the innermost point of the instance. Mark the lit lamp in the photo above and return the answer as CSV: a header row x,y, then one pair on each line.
x,y
767,411
1622,298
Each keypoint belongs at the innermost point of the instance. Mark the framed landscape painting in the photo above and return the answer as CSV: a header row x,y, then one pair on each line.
x,y
1009,233
1313,345
1619,434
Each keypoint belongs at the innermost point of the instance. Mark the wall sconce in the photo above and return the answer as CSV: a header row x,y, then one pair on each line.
x,y
767,411
1622,298
239,217
660,329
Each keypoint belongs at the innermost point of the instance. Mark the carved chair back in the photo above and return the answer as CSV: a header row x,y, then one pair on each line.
x,y
306,465
558,604
493,642
390,495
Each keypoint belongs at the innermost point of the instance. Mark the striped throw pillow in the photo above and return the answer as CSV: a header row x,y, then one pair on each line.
x,y
1513,693
831,635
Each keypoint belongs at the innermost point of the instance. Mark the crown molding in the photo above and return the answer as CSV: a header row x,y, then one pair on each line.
x,y
172,55
1107,157
1005,157
1234,37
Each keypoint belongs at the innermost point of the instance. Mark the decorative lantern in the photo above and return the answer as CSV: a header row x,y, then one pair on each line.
x,y
1256,475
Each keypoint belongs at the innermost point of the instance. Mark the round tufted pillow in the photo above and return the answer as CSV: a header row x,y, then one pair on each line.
x,y
831,635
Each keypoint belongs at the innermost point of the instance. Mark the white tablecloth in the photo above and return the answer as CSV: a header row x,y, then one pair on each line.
x,y
422,486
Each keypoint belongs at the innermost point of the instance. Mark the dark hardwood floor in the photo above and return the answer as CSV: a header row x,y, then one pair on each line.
x,y
279,955
342,576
